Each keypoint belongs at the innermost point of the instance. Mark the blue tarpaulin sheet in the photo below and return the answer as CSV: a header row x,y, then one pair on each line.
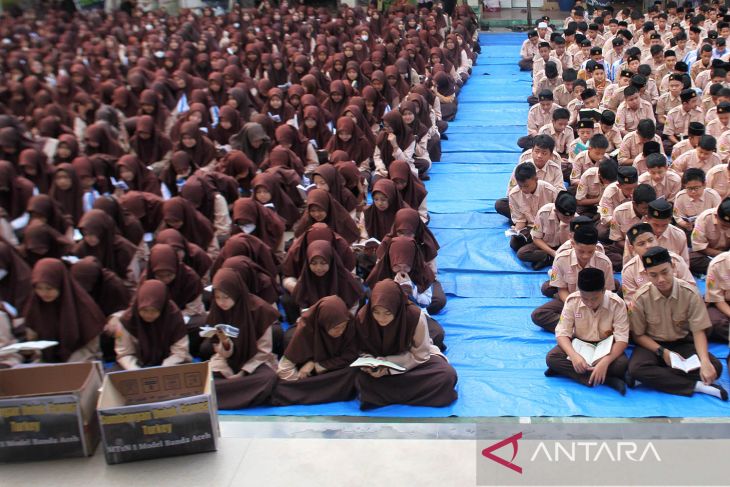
x,y
497,351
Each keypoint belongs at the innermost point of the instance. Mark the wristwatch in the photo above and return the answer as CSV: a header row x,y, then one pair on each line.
x,y
660,351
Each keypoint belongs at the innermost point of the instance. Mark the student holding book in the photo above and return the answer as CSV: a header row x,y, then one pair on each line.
x,y
392,328
591,316
315,367
668,322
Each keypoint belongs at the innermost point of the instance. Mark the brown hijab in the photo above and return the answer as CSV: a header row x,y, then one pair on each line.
x,y
379,223
155,147
338,281
73,319
237,165
193,256
397,336
113,251
15,191
256,278
195,228
128,225
41,240
186,285
415,191
251,315
250,246
105,287
15,287
283,204
36,162
311,342
402,250
336,184
146,207
338,219
71,199
44,206
408,223
144,179
154,339
269,225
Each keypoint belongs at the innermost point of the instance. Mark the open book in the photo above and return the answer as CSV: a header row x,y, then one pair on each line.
x,y
374,362
593,353
371,242
211,331
32,346
684,364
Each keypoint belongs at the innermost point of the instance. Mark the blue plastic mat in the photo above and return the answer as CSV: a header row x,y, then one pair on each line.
x,y
497,351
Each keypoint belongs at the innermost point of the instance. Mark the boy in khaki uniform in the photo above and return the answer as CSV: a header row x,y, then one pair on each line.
x,y
641,238
710,237
717,296
624,217
550,230
668,315
564,274
525,200
591,315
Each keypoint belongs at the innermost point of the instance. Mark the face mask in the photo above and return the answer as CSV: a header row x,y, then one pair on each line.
x,y
3,273
364,38
248,228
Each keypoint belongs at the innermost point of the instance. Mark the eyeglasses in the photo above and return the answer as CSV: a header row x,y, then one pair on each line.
x,y
694,188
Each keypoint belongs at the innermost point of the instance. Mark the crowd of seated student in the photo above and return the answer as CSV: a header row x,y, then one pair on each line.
x,y
163,172
625,169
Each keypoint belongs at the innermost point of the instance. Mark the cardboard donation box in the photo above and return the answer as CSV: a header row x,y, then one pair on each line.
x,y
48,411
158,412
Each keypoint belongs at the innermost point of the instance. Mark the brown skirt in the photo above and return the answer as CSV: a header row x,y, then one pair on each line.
x,y
338,385
247,391
430,384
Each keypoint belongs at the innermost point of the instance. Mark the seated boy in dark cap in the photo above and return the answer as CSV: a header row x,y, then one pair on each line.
x,y
710,237
591,315
549,231
668,322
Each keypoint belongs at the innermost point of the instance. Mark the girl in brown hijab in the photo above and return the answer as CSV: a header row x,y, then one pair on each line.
x,y
103,285
290,138
44,209
296,257
41,240
255,277
15,285
394,142
229,124
103,241
324,275
411,189
150,104
403,261
66,190
392,328
239,100
15,191
238,166
314,127
149,144
128,225
268,189
282,157
322,207
337,100
356,113
251,217
145,207
379,216
276,108
153,332
59,309
183,283
137,176
188,253
253,142
243,366
350,139
326,177
315,367
100,140
33,165
125,101
201,149
67,149
250,246
179,213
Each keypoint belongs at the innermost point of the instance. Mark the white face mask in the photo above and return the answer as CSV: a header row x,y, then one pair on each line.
x,y
248,228
3,273
364,38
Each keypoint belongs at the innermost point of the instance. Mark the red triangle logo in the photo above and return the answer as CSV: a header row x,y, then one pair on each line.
x,y
487,452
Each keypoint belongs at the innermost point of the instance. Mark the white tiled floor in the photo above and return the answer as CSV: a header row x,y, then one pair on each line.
x,y
272,463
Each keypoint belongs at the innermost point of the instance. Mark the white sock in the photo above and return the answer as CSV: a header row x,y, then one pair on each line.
x,y
705,389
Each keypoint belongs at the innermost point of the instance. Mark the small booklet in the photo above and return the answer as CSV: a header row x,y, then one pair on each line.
x,y
304,190
684,364
371,242
32,346
593,353
374,362
211,331
71,259
78,236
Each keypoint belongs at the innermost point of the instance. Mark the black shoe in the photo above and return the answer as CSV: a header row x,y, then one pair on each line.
x,y
723,392
617,384
541,264
550,372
